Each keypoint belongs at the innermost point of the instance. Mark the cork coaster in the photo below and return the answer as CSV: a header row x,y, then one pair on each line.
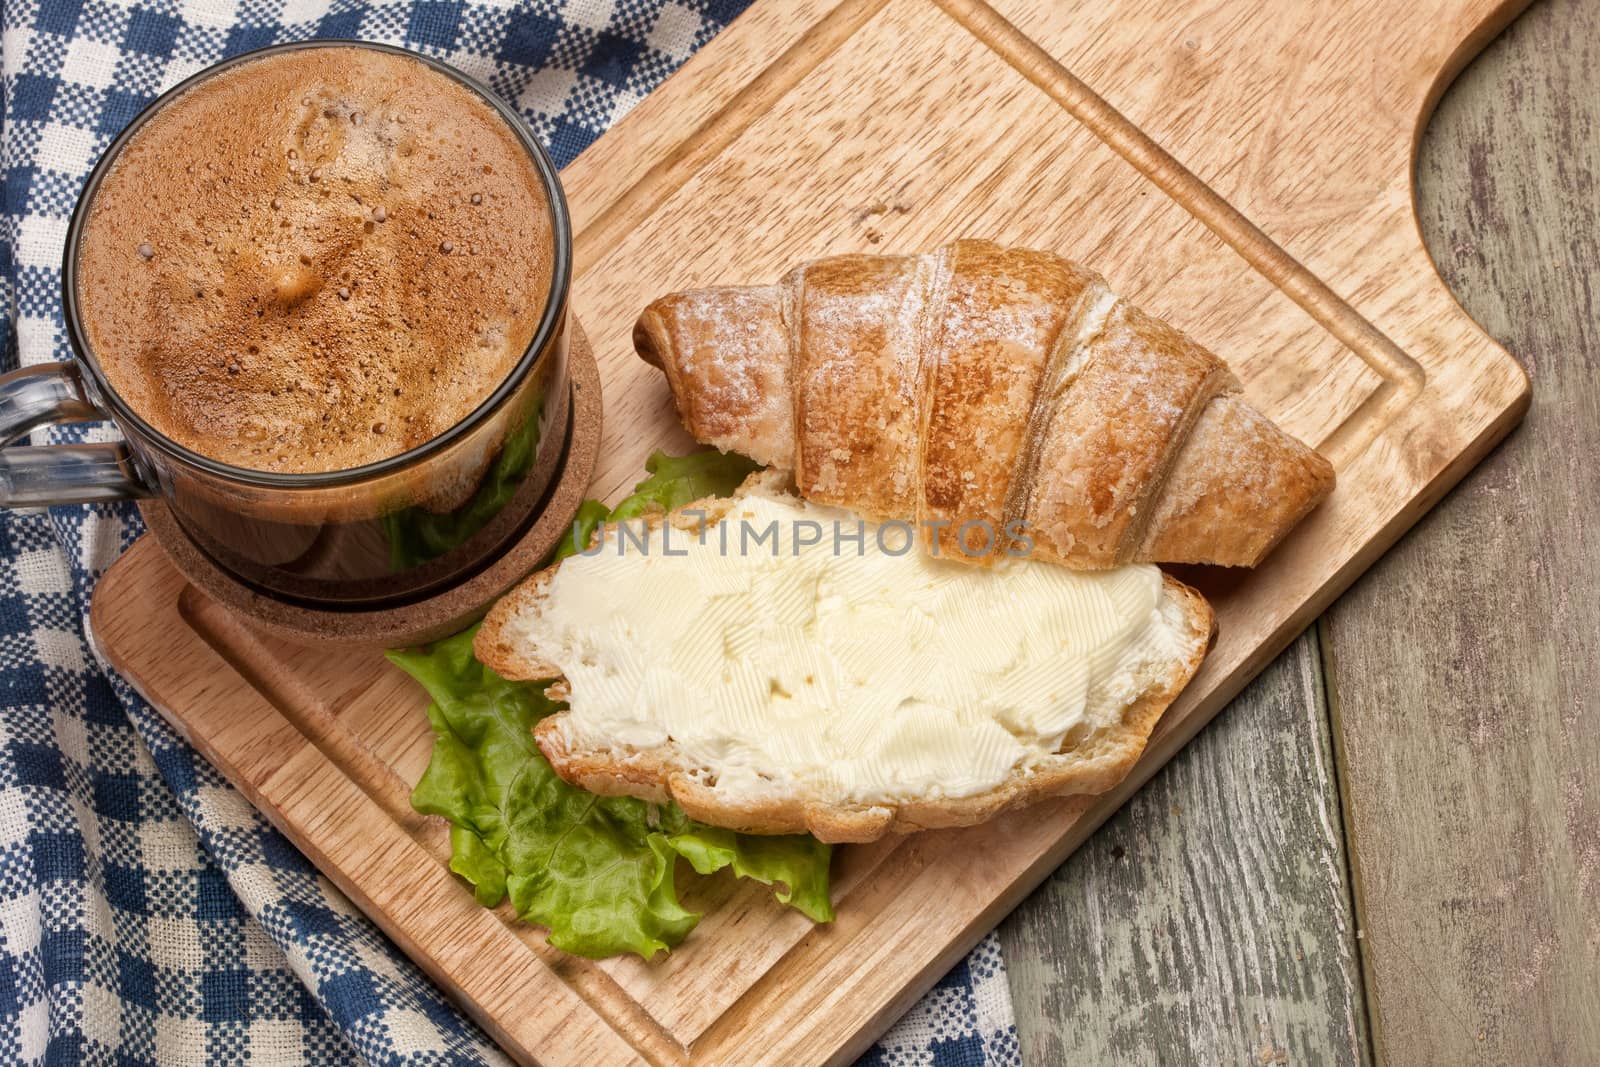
x,y
431,617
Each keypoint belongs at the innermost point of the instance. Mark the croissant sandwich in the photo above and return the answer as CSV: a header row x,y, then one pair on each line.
x,y
987,394
841,683
975,398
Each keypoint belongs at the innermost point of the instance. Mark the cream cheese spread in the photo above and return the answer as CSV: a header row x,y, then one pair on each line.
x,y
845,666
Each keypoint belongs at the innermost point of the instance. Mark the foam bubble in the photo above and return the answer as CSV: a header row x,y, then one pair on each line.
x,y
309,246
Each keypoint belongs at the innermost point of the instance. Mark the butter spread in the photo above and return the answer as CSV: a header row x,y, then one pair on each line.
x,y
846,667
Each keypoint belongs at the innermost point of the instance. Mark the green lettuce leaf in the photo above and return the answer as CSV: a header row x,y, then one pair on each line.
x,y
417,535
599,872
591,513
677,480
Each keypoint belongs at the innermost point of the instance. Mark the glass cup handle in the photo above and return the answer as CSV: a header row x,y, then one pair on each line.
x,y
58,474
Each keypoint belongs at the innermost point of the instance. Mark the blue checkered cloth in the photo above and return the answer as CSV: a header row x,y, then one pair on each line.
x,y
148,914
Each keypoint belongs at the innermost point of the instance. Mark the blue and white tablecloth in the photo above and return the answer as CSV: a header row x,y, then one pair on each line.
x,y
147,913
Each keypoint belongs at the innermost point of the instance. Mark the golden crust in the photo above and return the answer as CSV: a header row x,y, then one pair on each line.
x,y
975,378
1004,315
1110,442
496,650
732,395
855,379
1235,461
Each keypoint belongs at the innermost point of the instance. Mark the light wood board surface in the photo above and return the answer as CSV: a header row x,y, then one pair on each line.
x,y
1222,164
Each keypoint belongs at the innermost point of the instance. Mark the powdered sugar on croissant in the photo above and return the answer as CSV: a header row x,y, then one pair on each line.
x,y
978,389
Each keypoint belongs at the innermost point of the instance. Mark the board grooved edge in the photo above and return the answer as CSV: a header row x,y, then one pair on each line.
x,y
236,706
242,649
237,646
1403,375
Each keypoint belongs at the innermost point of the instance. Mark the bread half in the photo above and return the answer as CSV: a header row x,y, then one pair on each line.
x,y
1091,756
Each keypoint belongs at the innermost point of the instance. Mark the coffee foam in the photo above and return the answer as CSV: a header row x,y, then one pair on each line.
x,y
315,260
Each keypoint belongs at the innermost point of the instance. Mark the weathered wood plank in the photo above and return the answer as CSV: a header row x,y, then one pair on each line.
x,y
1464,668
1209,920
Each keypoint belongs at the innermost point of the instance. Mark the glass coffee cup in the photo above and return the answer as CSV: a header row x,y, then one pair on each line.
x,y
380,534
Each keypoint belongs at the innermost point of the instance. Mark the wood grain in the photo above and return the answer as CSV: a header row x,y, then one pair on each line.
x,y
1211,916
885,124
1465,668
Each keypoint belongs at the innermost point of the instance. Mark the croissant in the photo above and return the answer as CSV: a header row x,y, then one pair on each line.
x,y
997,397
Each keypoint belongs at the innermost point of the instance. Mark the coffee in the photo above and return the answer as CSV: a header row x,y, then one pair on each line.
x,y
315,260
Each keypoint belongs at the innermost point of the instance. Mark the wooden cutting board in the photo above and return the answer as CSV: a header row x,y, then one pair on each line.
x,y
1239,167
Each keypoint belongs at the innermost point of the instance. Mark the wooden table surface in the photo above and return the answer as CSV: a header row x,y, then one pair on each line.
x,y
1388,848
